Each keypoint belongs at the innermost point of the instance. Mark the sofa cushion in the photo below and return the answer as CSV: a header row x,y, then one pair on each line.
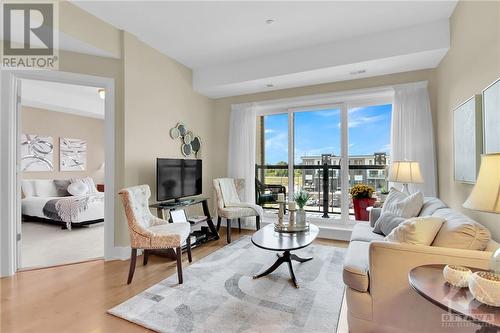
x,y
356,265
430,205
28,188
402,204
416,231
387,222
363,232
460,232
62,187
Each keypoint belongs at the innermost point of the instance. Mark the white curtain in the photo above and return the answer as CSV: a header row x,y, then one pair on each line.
x,y
241,151
412,133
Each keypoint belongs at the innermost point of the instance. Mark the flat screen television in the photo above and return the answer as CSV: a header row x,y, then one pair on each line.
x,y
177,178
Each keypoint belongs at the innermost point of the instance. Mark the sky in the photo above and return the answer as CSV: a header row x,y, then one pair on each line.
x,y
318,132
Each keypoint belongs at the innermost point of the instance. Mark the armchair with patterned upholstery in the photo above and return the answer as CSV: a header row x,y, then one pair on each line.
x,y
232,213
149,232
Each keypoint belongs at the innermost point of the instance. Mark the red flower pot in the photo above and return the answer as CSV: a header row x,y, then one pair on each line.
x,y
360,205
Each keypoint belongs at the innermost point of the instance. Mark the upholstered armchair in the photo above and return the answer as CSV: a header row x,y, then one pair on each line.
x,y
148,232
232,213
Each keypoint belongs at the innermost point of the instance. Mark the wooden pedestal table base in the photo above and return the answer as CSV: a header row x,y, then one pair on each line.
x,y
282,258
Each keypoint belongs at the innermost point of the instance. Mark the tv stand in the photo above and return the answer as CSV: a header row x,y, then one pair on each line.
x,y
212,233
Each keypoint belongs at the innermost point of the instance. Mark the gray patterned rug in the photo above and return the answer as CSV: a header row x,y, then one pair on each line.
x,y
219,294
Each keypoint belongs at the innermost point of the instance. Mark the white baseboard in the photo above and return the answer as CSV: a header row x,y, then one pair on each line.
x,y
121,253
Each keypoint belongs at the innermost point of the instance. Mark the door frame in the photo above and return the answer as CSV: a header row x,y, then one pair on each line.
x,y
9,165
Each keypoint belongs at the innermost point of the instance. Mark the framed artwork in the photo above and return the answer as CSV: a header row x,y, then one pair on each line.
x,y
72,154
467,139
491,118
36,153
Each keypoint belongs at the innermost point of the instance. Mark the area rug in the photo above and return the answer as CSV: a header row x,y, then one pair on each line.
x,y
220,295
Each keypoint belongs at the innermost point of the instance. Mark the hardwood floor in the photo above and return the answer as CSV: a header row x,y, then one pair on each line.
x,y
74,298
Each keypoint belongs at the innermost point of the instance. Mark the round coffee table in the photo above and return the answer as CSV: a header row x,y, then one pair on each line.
x,y
268,239
428,281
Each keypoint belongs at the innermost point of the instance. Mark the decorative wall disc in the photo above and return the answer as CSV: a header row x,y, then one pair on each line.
x,y
191,144
174,133
186,150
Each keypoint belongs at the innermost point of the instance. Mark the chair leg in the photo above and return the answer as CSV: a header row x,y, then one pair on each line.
x,y
257,222
133,258
178,251
145,258
188,245
239,225
218,222
228,229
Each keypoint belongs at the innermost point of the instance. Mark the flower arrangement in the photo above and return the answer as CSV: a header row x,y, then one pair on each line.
x,y
301,198
361,191
384,191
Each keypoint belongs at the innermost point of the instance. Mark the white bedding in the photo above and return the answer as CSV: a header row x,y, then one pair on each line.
x,y
33,206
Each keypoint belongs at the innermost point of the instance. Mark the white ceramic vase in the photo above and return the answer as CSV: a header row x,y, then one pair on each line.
x,y
300,217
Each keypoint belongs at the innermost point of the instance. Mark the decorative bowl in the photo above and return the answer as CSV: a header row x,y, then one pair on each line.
x,y
485,287
457,276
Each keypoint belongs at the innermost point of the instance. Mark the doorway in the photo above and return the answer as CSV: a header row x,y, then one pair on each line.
x,y
10,166
61,158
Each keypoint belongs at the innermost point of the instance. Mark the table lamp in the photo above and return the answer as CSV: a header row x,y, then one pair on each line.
x,y
485,195
405,172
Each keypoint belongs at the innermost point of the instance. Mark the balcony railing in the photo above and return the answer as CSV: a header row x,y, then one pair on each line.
x,y
323,182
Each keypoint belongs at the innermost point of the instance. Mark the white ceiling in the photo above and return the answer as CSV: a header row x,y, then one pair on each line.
x,y
212,35
61,97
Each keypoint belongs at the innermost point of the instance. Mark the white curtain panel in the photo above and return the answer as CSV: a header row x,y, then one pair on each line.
x,y
412,133
241,154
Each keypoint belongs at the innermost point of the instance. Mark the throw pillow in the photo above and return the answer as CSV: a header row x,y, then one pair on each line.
x,y
416,231
461,232
88,181
402,204
62,187
387,222
78,189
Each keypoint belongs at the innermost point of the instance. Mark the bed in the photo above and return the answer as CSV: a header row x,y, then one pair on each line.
x,y
47,200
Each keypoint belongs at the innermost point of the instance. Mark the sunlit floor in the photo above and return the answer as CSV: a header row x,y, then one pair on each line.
x,y
46,245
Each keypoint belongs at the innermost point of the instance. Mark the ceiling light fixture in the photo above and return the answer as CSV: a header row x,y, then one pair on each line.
x,y
269,21
102,93
269,85
361,71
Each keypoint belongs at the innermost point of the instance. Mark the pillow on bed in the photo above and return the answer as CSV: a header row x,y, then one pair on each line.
x,y
87,181
62,187
78,189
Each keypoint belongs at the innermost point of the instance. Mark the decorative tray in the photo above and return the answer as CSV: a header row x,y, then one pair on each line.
x,y
287,228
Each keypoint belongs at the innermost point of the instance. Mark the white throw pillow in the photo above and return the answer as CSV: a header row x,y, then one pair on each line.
x,y
78,189
416,231
402,204
88,181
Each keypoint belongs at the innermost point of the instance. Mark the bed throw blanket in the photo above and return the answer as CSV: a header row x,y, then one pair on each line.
x,y
67,209
231,198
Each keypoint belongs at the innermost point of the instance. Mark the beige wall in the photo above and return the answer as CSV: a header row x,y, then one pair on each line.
x,y
57,125
158,95
472,63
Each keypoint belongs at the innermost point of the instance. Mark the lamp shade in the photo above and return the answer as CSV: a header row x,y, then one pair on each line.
x,y
485,195
405,172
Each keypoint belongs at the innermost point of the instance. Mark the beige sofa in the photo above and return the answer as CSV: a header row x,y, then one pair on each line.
x,y
379,298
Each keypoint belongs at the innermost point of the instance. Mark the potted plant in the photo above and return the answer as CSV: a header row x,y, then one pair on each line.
x,y
362,199
301,197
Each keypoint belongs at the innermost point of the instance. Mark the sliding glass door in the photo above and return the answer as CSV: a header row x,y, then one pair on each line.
x,y
325,150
